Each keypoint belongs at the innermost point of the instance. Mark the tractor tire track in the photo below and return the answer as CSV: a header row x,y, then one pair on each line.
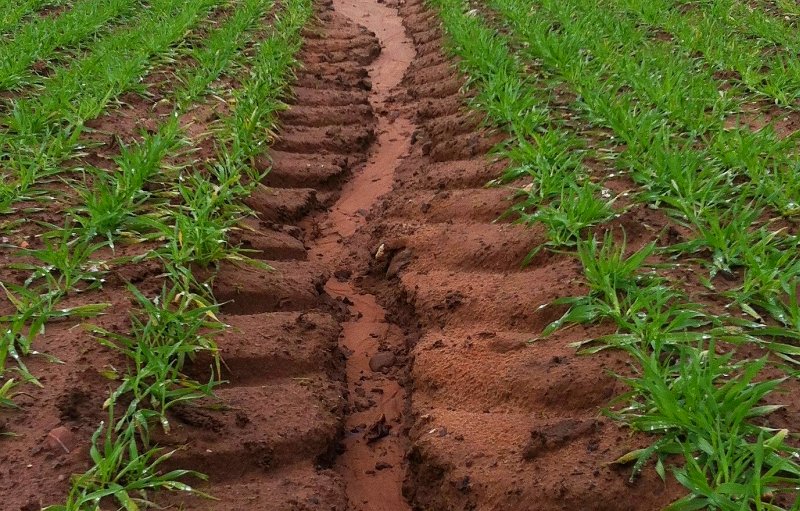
x,y
386,365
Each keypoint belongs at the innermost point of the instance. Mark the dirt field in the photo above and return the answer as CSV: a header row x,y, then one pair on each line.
x,y
386,363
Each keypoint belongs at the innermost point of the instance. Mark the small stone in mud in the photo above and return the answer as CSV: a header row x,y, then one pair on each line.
x,y
342,275
305,322
463,484
61,439
242,419
293,231
399,262
382,465
453,299
378,430
381,360
438,344
363,404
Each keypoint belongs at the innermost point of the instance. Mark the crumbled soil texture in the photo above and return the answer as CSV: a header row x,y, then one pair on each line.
x,y
275,443
496,422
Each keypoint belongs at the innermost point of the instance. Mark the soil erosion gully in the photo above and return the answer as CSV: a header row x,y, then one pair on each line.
x,y
373,471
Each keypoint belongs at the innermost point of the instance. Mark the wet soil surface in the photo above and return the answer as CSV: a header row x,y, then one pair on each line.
x,y
384,364
295,398
329,432
496,422
444,405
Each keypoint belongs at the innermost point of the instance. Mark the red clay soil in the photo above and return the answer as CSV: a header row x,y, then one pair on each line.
x,y
49,435
287,398
496,423
281,415
372,461
384,365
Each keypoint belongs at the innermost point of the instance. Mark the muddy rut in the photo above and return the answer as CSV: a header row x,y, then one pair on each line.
x,y
373,446
385,364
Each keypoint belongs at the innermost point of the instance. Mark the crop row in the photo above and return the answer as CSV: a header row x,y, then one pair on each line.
x,y
721,186
758,48
179,210
45,130
15,12
41,37
34,309
664,115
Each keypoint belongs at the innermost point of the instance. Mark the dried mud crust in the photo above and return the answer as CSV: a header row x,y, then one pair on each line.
x,y
496,422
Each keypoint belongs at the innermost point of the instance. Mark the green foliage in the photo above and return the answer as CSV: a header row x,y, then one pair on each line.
x,y
114,197
660,103
33,308
38,39
174,327
219,51
123,472
45,130
570,214
14,14
7,395
190,208
64,262
702,405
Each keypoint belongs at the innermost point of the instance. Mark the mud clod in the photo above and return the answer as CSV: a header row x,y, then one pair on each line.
x,y
379,429
62,440
383,360
544,439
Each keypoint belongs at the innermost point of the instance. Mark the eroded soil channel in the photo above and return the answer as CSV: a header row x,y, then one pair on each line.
x,y
372,463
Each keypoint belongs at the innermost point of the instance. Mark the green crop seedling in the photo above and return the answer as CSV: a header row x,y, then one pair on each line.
x,y
664,115
152,191
652,144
